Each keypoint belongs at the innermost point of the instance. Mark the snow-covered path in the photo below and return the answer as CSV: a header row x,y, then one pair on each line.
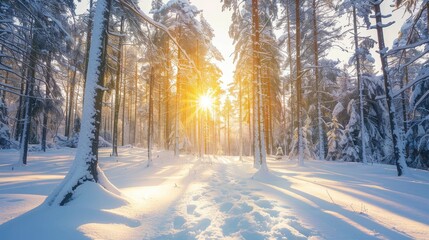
x,y
214,198
222,202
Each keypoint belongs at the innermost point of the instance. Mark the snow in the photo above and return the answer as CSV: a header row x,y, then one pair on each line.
x,y
217,197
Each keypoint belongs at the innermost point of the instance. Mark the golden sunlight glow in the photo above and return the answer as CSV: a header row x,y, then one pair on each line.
x,y
205,102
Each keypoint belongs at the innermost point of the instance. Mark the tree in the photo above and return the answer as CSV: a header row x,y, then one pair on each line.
x,y
117,93
85,166
299,82
395,129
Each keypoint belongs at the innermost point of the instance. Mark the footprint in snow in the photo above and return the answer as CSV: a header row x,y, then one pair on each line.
x,y
303,230
264,204
202,225
230,226
190,209
252,235
225,207
196,197
178,222
236,197
289,233
243,208
273,213
255,198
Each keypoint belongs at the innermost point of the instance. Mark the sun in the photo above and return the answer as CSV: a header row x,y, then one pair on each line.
x,y
205,102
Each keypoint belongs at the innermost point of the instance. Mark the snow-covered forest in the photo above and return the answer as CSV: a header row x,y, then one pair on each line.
x,y
117,120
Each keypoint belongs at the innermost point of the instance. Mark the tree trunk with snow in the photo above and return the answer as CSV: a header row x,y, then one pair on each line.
x,y
117,93
240,117
4,125
45,108
259,138
29,95
150,125
289,50
317,77
85,166
361,88
395,129
166,80
299,83
178,95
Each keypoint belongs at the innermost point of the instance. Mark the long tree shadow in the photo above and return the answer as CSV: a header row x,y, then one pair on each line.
x,y
344,224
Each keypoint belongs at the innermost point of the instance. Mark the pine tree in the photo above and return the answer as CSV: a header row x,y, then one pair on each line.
x,y
85,167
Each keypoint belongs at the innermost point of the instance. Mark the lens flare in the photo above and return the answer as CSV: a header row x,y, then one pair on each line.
x,y
205,102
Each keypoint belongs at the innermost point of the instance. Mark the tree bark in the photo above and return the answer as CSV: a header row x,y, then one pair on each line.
x,y
117,93
260,154
361,89
396,131
150,121
45,109
85,166
317,77
299,83
29,95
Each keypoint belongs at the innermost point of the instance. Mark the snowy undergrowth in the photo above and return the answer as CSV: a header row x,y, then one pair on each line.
x,y
215,198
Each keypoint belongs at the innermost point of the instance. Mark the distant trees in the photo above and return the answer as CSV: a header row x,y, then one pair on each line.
x,y
286,92
31,34
260,69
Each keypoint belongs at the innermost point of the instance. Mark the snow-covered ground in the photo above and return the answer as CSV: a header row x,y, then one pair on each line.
x,y
216,198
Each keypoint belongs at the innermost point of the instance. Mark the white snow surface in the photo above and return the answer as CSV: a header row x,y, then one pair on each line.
x,y
217,197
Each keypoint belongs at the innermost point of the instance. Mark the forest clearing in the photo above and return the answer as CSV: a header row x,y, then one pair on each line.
x,y
217,197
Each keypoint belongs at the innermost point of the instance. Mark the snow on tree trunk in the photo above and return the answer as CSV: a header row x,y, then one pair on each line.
x,y
45,109
28,103
4,126
117,94
298,84
150,127
363,135
85,166
240,117
259,138
177,120
316,73
396,131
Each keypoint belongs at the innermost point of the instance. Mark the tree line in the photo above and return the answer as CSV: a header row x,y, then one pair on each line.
x,y
115,76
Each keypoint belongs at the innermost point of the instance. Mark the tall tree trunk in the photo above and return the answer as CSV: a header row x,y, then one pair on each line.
x,y
124,93
150,121
228,137
395,129
178,100
259,136
71,102
117,93
289,49
85,166
167,128
45,108
361,89
4,123
159,125
21,107
317,77
29,95
135,103
88,40
299,82
240,119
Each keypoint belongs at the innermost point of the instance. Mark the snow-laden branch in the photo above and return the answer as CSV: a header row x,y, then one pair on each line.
x,y
139,13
